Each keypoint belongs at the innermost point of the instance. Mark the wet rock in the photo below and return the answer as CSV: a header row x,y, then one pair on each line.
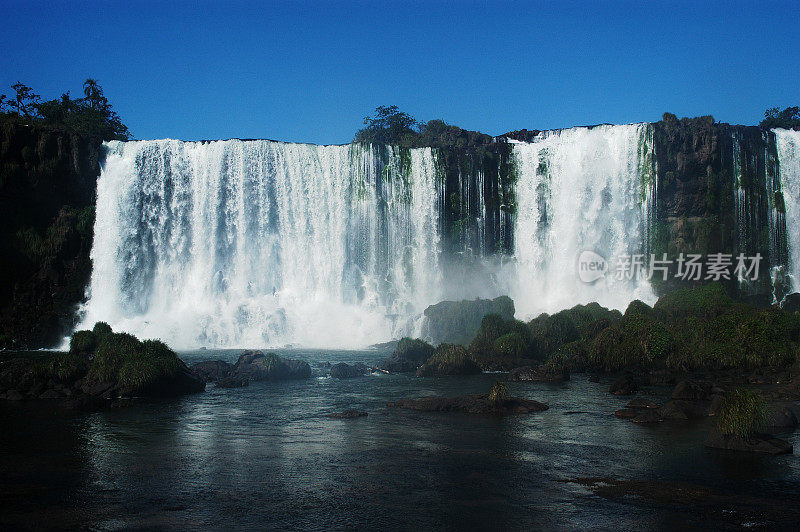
x,y
212,370
626,413
661,378
648,416
681,410
624,385
688,390
347,371
257,366
780,419
233,381
50,394
348,414
757,443
539,374
791,303
641,403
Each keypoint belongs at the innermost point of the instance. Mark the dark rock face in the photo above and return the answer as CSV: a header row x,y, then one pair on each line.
x,y
457,322
538,374
233,381
791,303
256,366
408,356
757,443
47,187
471,404
346,371
348,414
212,370
780,419
624,385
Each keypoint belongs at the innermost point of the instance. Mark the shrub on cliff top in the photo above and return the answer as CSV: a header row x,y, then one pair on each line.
x,y
83,343
743,413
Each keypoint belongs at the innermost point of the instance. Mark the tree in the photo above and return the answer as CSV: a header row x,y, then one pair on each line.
x,y
91,115
25,101
789,118
389,126
94,94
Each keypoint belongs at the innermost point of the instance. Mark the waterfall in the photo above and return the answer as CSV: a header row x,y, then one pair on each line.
x,y
788,148
581,189
261,243
254,243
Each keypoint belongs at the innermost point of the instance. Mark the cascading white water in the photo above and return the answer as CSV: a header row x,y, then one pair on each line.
x,y
254,243
261,243
581,189
788,147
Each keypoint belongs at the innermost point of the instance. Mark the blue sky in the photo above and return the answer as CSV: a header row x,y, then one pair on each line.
x,y
308,71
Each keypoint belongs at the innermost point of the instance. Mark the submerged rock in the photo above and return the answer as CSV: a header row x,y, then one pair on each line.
x,y
471,404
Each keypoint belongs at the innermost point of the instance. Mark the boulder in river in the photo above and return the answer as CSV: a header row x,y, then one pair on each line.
x,y
624,385
449,359
347,371
212,370
408,356
257,366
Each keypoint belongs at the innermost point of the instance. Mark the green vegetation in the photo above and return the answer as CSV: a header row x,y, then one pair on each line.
x,y
788,118
688,329
502,338
743,413
413,349
392,126
449,359
499,392
92,115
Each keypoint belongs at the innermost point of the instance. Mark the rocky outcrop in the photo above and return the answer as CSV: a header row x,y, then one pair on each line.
x,y
347,371
457,322
408,356
257,366
47,188
212,370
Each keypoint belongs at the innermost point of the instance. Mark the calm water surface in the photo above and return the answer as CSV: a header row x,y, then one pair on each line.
x,y
266,456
